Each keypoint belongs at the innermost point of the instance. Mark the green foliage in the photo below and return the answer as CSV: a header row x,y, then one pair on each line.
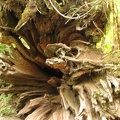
x,y
4,48
5,106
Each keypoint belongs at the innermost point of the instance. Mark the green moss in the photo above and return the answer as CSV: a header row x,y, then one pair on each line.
x,y
110,39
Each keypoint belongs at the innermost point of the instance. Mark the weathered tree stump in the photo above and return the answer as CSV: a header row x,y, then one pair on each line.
x,y
53,66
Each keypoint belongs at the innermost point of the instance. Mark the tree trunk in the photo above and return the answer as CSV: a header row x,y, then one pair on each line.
x,y
53,65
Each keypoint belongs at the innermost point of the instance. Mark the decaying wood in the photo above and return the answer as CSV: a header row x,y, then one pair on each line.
x,y
57,73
